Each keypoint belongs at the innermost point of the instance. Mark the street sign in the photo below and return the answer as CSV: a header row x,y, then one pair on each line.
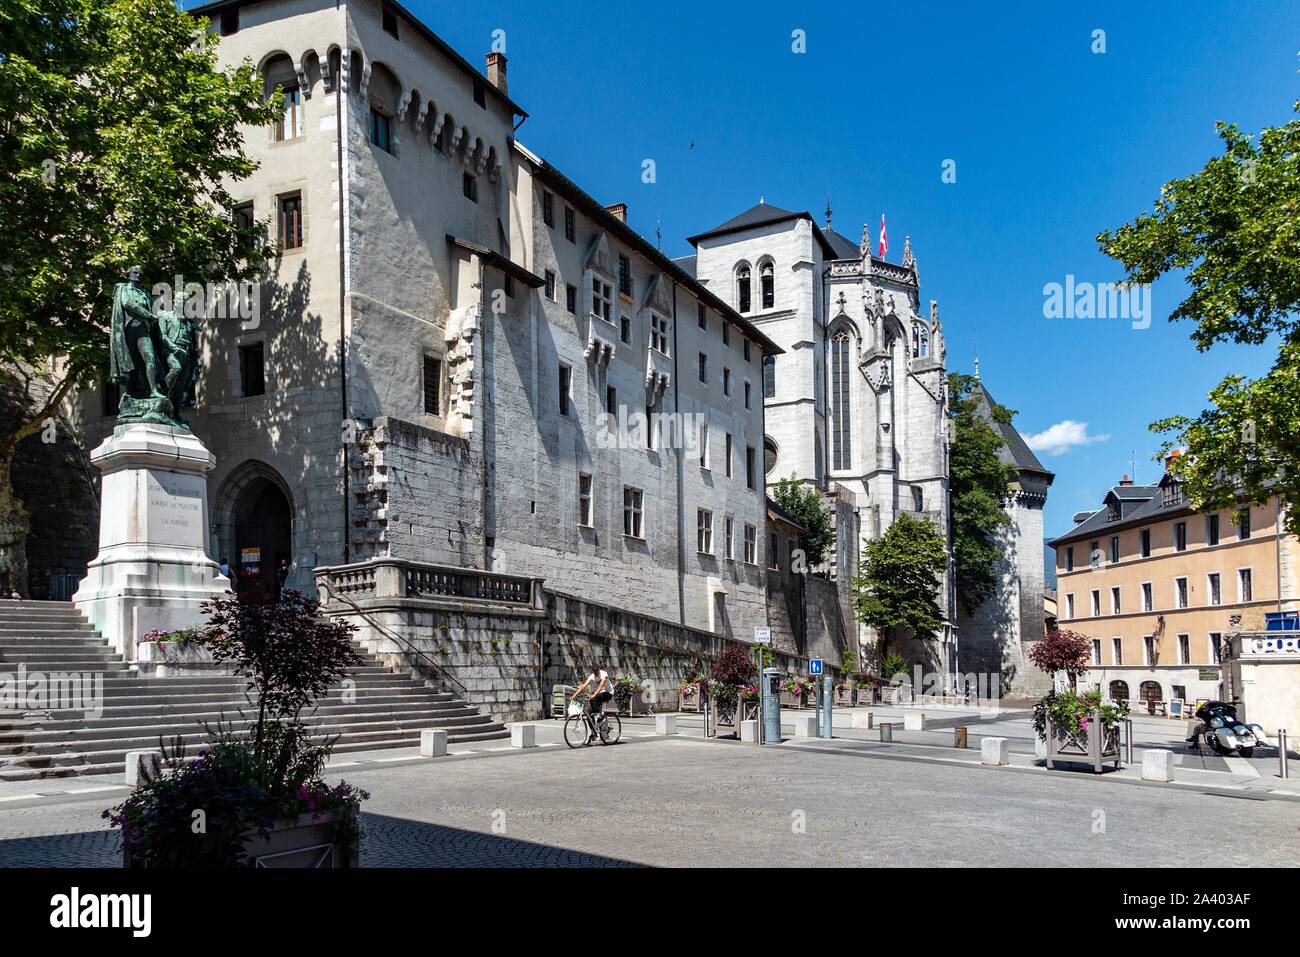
x,y
814,666
762,635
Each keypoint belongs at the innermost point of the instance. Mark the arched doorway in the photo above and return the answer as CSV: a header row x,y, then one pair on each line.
x,y
253,518
1150,694
1119,690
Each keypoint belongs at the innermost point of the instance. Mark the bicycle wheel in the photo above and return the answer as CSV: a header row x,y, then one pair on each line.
x,y
575,731
612,731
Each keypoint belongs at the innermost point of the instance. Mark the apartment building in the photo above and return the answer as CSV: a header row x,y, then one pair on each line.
x,y
1158,587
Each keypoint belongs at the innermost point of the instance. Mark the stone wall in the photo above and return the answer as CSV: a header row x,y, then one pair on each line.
x,y
504,656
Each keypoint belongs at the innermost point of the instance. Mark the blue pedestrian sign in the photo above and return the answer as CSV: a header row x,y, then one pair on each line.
x,y
814,666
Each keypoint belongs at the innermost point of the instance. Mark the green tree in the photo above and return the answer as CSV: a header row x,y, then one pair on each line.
x,y
899,580
1233,228
979,484
803,503
118,136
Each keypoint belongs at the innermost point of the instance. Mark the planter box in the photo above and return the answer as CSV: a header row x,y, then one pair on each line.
x,y
789,700
309,842
892,695
1096,745
689,700
845,697
745,711
634,705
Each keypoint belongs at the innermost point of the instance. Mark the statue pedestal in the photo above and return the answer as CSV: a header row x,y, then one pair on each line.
x,y
153,569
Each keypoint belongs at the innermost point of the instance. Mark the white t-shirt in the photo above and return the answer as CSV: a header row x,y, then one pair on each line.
x,y
596,677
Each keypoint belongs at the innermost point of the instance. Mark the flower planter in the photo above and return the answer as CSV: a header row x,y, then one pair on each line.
x,y
1090,747
170,657
892,695
689,699
791,700
745,711
633,705
845,697
311,841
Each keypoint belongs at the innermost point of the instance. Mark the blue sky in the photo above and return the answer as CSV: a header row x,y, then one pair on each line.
x,y
1052,144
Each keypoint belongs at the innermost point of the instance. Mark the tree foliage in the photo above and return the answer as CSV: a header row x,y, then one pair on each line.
x,y
899,579
803,503
118,137
1062,650
1234,229
979,485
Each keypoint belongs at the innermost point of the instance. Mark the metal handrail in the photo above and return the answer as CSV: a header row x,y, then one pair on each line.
x,y
439,669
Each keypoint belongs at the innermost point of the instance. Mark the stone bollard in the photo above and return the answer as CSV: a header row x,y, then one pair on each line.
x,y
138,763
523,736
1040,747
1157,765
433,743
914,721
995,751
805,726
749,731
665,724
864,721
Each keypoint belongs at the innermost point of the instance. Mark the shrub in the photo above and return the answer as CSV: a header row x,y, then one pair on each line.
x,y
733,666
1062,650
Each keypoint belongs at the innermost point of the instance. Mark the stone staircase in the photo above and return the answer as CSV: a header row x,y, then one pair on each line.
x,y
386,710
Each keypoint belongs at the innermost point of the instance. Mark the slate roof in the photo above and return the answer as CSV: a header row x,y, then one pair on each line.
x,y
844,247
1016,452
765,214
1139,504
686,264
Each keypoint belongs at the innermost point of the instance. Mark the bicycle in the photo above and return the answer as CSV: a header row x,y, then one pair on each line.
x,y
580,728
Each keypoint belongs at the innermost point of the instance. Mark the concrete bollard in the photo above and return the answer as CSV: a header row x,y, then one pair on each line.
x,y
995,751
1040,747
863,721
433,743
805,726
523,736
138,763
886,731
1157,765
749,731
914,721
665,724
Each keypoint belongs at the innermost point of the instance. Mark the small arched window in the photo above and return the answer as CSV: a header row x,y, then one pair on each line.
x,y
920,341
767,280
278,74
742,289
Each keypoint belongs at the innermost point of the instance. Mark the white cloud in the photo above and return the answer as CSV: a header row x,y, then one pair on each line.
x,y
1062,437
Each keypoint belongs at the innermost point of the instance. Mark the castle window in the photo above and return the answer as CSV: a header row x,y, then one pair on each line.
x,y
229,21
390,21
548,207
290,220
570,227
767,280
658,333
742,289
632,514
624,275
550,285
841,451
469,186
252,370
769,377
920,341
571,298
602,300
432,385
288,125
381,130
700,317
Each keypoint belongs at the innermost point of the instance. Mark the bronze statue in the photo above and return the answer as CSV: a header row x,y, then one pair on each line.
x,y
154,357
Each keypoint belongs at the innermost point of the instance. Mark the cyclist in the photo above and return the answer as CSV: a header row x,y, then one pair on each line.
x,y
603,690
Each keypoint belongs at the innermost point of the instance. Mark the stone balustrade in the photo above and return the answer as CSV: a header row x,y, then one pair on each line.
x,y
394,578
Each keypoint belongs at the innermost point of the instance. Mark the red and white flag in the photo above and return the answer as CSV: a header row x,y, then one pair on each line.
x,y
884,238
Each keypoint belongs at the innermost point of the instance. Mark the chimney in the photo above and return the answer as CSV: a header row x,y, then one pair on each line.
x,y
1169,459
618,211
1126,480
496,71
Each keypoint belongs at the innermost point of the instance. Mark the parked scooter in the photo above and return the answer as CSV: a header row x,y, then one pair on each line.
x,y
1224,733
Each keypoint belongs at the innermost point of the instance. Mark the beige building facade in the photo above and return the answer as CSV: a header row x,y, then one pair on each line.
x,y
1159,589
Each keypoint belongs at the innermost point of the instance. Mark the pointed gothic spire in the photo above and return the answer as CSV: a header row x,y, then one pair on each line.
x,y
865,245
828,210
907,251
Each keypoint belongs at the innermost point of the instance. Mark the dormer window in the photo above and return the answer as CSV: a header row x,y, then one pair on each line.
x,y
1112,512
1173,494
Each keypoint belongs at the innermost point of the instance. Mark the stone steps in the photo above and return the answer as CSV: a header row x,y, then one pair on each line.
x,y
384,708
